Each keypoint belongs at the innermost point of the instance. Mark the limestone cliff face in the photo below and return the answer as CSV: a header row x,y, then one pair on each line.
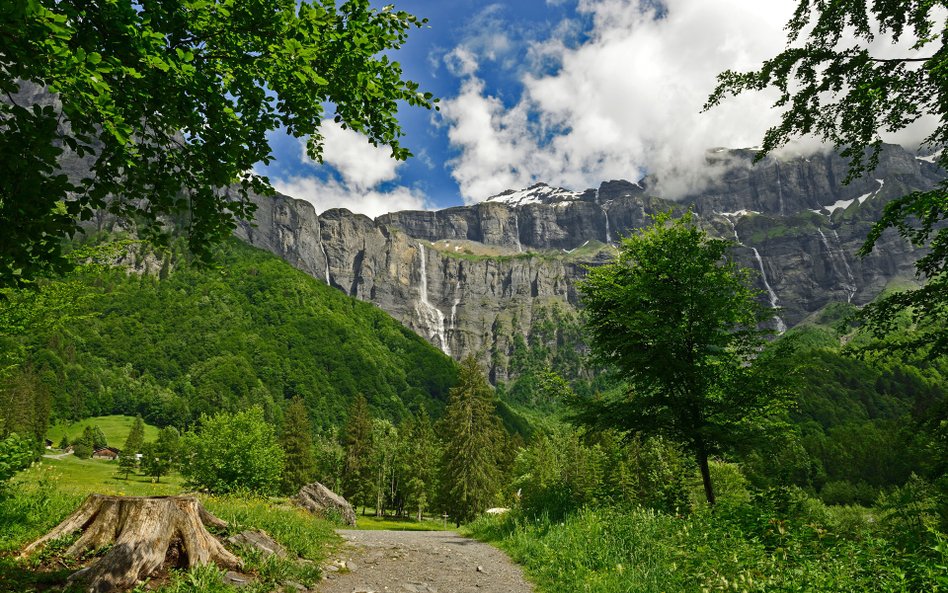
x,y
470,279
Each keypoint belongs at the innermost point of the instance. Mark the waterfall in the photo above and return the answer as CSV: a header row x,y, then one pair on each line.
x,y
733,228
431,316
517,230
829,251
850,284
849,271
454,306
779,188
608,236
326,255
781,326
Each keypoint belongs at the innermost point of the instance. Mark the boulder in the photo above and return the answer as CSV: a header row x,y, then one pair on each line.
x,y
258,540
316,498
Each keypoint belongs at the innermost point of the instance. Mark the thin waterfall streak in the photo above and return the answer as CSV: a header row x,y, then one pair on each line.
x,y
431,316
781,326
852,288
326,256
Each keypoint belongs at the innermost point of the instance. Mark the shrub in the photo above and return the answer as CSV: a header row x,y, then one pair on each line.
x,y
233,452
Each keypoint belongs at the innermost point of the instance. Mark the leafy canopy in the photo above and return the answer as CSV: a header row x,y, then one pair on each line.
x,y
679,323
847,94
233,453
169,103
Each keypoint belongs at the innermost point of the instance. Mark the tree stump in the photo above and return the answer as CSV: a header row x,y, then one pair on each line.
x,y
145,532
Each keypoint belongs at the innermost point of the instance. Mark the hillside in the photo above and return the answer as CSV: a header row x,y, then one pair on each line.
x,y
250,330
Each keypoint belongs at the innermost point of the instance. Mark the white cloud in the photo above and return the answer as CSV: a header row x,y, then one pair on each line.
x,y
333,194
625,102
362,168
360,164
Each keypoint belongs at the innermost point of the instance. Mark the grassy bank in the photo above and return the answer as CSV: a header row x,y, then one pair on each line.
x,y
737,549
114,427
42,496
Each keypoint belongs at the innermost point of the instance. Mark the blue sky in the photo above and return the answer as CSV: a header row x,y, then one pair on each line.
x,y
569,92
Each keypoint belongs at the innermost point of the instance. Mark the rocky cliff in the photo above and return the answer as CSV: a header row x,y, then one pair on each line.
x,y
474,278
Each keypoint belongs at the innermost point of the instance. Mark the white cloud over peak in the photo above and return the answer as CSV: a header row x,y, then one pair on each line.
x,y
625,102
362,169
333,194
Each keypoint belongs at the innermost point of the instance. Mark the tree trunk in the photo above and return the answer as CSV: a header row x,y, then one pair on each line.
x,y
706,476
145,532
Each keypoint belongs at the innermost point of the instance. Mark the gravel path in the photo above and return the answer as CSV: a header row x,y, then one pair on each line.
x,y
420,562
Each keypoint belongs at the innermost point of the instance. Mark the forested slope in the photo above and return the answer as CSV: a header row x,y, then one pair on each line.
x,y
250,330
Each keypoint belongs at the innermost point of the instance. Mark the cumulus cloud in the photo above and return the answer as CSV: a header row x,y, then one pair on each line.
x,y
362,168
326,194
625,102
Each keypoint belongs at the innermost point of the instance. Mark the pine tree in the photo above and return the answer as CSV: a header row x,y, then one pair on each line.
x,y
159,457
127,463
98,438
357,442
83,446
472,432
297,442
422,456
135,439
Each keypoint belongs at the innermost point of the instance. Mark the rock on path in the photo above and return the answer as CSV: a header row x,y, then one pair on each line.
x,y
421,562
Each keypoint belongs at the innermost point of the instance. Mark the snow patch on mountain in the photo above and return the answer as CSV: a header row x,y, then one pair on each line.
x,y
539,193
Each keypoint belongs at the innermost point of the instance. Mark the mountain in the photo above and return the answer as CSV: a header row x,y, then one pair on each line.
x,y
480,278
250,330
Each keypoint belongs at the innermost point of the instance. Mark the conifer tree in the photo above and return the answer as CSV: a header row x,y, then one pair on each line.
x,y
472,431
297,442
82,447
357,442
98,438
422,456
159,457
136,438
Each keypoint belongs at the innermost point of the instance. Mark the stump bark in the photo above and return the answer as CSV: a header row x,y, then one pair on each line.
x,y
144,533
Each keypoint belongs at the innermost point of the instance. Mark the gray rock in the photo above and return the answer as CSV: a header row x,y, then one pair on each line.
x,y
258,540
319,499
473,279
235,579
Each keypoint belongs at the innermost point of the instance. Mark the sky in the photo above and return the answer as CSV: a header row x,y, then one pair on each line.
x,y
567,92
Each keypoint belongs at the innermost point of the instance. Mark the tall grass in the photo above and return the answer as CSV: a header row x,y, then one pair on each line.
x,y
742,549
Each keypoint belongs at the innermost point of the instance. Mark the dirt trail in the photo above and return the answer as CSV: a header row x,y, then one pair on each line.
x,y
421,562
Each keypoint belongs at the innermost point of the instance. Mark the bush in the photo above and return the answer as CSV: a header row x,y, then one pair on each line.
x,y
16,453
232,453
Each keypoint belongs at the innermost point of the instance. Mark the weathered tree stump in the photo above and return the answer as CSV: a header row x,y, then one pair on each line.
x,y
144,531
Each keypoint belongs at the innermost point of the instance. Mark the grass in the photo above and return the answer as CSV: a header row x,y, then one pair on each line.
x,y
633,549
39,498
84,476
373,523
115,429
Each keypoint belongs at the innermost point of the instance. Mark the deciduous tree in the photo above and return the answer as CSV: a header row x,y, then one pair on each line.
x,y
233,452
171,104
679,322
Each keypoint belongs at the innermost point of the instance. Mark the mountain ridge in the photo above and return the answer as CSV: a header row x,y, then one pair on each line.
x,y
471,278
